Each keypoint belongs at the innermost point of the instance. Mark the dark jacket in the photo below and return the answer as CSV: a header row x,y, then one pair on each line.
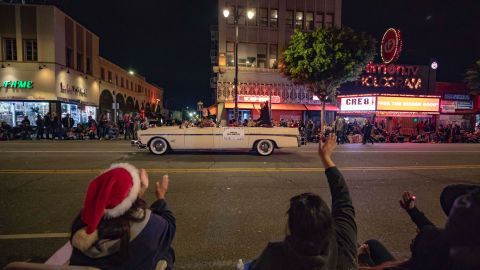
x,y
68,124
47,120
342,251
152,244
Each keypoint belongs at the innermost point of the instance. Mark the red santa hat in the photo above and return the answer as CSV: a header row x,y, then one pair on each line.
x,y
109,195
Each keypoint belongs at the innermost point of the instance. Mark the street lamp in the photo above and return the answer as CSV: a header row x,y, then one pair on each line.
x,y
236,16
131,72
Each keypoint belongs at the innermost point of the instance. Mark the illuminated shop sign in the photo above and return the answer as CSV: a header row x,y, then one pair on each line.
x,y
391,76
408,104
358,104
258,99
73,90
448,96
18,84
391,45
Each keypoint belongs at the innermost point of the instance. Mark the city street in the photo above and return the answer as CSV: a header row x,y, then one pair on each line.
x,y
228,205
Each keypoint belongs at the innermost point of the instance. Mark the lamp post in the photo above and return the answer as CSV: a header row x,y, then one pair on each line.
x,y
236,15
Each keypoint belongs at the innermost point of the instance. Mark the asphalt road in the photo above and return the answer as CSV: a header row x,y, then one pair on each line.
x,y
228,205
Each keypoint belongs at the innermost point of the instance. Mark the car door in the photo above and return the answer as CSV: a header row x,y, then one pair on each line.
x,y
231,138
199,138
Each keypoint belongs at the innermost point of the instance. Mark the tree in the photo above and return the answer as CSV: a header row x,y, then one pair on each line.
x,y
472,77
325,59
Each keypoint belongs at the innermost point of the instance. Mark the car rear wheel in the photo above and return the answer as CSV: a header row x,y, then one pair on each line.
x,y
158,146
265,147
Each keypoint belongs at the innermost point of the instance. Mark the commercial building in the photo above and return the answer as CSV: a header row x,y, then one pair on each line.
x,y
262,39
51,63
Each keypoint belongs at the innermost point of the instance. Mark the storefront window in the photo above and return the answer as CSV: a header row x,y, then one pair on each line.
x,y
14,112
72,109
86,112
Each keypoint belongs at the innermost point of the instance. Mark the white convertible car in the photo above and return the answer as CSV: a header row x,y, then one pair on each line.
x,y
160,140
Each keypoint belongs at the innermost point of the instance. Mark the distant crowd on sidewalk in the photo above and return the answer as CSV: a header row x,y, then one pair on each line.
x,y
424,132
52,127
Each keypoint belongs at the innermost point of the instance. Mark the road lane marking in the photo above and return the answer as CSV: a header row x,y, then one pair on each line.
x,y
33,236
244,170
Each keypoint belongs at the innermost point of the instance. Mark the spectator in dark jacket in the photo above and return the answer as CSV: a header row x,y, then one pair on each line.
x,y
40,127
47,121
429,248
26,128
317,239
68,124
56,128
115,229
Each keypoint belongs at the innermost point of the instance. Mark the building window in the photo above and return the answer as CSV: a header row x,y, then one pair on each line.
x,y
241,15
80,62
273,56
121,82
109,76
10,48
289,18
231,18
230,53
299,19
262,55
89,66
319,20
329,20
30,52
273,18
253,21
309,20
69,57
263,17
116,79
131,86
102,74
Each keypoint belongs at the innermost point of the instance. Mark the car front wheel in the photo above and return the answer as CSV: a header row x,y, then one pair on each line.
x,y
158,146
265,147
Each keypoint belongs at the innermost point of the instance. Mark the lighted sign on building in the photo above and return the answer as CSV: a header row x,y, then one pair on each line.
x,y
358,104
18,84
258,99
391,76
413,104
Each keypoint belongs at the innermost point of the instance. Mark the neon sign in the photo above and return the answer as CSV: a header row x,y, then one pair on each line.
x,y
391,76
18,84
259,99
391,46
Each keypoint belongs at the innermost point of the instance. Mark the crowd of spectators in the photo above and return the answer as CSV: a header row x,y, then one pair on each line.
x,y
52,127
424,132
317,236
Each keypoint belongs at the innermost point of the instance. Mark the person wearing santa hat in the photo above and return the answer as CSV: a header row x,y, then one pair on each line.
x,y
116,230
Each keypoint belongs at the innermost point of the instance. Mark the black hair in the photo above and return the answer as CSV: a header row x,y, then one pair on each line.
x,y
310,224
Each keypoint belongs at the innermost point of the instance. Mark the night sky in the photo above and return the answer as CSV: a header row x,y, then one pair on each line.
x,y
169,41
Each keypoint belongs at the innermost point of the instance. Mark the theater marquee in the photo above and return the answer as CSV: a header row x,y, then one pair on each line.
x,y
411,104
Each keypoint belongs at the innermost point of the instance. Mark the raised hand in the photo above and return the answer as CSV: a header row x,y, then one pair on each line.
x,y
326,147
408,200
162,187
143,182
